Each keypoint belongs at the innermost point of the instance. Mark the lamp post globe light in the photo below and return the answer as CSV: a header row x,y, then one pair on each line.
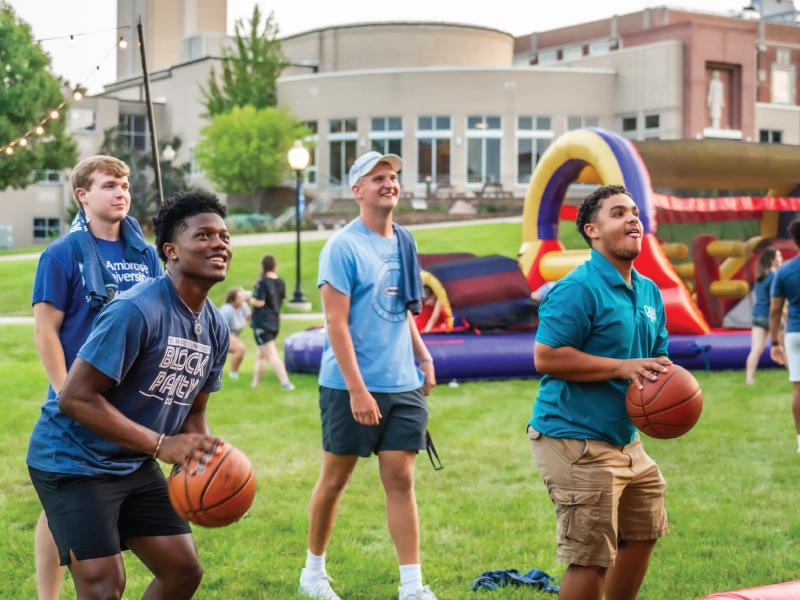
x,y
298,159
168,155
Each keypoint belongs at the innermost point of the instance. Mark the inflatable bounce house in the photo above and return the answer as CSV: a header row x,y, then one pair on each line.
x,y
490,315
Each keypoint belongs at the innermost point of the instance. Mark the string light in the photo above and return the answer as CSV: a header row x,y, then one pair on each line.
x,y
39,130
9,151
72,41
97,70
53,114
77,96
23,142
122,43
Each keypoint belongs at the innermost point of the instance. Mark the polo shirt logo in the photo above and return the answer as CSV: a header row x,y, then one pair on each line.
x,y
650,312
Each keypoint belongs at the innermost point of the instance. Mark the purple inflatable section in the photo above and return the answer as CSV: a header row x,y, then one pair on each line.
x,y
465,357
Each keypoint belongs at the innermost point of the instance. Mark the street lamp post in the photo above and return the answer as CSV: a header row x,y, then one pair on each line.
x,y
298,159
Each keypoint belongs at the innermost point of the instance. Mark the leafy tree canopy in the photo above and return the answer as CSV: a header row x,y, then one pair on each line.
x,y
249,70
244,151
28,92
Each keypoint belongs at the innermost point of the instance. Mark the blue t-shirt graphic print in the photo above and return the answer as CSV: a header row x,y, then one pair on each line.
x,y
58,281
366,267
144,340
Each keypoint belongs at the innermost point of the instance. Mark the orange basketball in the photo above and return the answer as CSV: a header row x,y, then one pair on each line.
x,y
668,407
217,494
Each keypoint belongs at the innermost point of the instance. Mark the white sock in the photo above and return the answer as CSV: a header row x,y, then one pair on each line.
x,y
233,375
798,441
410,578
315,565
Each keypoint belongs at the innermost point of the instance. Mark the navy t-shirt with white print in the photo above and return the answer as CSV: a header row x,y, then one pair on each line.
x,y
58,281
145,341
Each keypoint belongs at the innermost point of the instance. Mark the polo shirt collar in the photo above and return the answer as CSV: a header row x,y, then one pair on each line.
x,y
609,272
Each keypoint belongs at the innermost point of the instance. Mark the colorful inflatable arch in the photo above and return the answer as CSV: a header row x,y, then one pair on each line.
x,y
596,155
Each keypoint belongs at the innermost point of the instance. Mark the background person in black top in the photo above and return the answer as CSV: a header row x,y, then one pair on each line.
x,y
268,296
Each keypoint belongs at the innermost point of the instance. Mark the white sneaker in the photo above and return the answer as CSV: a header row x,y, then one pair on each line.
x,y
317,586
287,387
423,593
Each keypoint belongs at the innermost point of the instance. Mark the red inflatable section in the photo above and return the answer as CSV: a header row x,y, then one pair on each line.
x,y
780,591
683,317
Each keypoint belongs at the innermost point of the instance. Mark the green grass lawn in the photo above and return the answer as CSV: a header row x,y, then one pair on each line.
x,y
731,498
500,238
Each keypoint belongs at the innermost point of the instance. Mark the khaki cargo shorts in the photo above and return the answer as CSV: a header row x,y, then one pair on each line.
x,y
603,494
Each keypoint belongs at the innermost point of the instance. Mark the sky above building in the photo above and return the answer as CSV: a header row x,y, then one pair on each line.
x,y
78,63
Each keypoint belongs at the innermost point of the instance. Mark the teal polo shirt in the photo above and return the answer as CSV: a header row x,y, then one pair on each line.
x,y
593,310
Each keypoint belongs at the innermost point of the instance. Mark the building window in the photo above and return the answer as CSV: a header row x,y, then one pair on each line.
x,y
581,122
82,120
433,149
534,135
343,126
47,177
311,172
548,58
599,48
770,136
629,125
782,85
386,135
484,141
342,140
194,165
573,53
46,229
652,122
133,131
783,58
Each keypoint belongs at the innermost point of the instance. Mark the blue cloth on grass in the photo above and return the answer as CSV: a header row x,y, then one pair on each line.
x,y
492,580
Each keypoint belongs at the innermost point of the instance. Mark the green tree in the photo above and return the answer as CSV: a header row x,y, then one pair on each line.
x,y
27,95
244,151
144,198
250,70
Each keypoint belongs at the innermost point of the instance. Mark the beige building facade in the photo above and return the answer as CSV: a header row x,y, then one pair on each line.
x,y
468,108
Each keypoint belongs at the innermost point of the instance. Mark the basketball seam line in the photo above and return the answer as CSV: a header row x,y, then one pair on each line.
x,y
233,495
663,385
211,478
675,405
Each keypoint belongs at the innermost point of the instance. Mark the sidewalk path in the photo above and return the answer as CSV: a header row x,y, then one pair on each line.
x,y
286,237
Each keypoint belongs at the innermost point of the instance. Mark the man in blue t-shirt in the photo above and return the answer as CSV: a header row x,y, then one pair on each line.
x,y
372,396
786,288
601,326
137,391
62,311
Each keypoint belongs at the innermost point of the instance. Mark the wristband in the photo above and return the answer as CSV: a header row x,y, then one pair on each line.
x,y
775,343
430,360
158,446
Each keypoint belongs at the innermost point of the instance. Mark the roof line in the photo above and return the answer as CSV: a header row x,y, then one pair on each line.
x,y
396,23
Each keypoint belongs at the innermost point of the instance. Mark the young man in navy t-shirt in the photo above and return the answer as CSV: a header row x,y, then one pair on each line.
x,y
62,310
137,391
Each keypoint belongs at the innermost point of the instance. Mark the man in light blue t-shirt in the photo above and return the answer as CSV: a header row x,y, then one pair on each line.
x,y
372,396
786,288
601,326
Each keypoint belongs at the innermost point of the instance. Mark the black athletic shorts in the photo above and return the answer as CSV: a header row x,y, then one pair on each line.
x,y
264,335
93,515
404,421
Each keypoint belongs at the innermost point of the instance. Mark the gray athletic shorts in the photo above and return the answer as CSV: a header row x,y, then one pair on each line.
x,y
404,421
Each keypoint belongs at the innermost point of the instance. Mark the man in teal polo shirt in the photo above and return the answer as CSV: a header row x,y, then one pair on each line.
x,y
601,327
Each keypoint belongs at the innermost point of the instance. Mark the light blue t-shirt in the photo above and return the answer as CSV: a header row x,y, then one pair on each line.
x,y
366,267
145,341
58,281
787,285
593,310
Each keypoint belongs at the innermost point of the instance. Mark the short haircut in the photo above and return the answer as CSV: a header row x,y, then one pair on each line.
x,y
268,263
587,211
231,295
107,165
794,232
172,215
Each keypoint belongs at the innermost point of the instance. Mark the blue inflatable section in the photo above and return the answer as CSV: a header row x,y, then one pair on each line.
x,y
466,357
